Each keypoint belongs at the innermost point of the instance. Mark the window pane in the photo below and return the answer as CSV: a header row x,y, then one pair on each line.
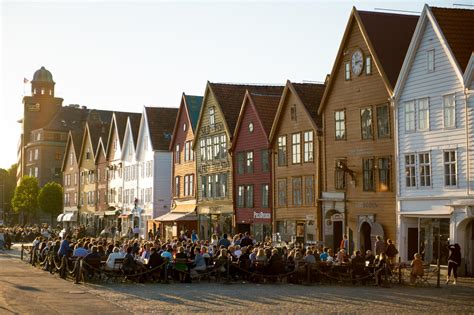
x,y
410,116
339,118
249,196
265,189
423,114
265,161
282,192
308,146
296,186
384,174
282,151
309,190
368,169
250,162
383,122
366,123
449,111
240,162
410,180
296,148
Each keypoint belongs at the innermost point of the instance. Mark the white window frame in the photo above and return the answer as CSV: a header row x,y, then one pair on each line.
x,y
430,60
452,107
423,124
296,148
422,167
412,116
450,163
347,71
408,170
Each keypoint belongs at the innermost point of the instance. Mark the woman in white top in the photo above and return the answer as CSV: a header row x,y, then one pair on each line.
x,y
110,264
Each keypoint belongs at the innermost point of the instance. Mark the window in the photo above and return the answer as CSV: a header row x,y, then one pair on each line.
x,y
424,166
223,147
240,162
31,155
383,122
410,116
176,186
217,148
177,157
282,151
339,117
241,196
265,194
347,71
249,196
188,152
430,60
184,127
265,161
88,154
36,154
368,174
423,114
410,179
210,186
282,192
217,185
296,148
212,116
368,65
250,162
204,186
145,143
384,174
296,185
209,149
449,105
450,170
224,185
366,123
293,113
340,175
308,146
42,91
188,185
309,190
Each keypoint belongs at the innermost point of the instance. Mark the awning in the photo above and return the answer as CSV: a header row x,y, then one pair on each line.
x,y
184,208
428,213
70,217
124,216
175,216
60,217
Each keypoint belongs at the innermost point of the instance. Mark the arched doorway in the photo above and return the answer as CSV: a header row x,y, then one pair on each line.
x,y
470,248
365,237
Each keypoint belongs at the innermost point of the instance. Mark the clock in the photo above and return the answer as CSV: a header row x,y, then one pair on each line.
x,y
251,127
357,62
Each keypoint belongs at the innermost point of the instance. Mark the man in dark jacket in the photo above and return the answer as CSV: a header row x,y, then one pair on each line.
x,y
224,241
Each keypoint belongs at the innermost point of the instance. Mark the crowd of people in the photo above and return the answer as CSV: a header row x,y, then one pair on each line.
x,y
187,257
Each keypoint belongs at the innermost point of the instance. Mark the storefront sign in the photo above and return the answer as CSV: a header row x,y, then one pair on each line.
x,y
367,205
262,215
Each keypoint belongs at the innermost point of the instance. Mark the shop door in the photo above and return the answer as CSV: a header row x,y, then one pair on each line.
x,y
337,233
365,240
412,246
300,232
242,227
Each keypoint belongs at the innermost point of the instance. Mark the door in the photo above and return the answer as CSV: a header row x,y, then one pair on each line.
x,y
243,227
300,232
412,243
365,240
337,233
470,246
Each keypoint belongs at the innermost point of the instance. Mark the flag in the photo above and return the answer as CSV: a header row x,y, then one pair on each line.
x,y
25,80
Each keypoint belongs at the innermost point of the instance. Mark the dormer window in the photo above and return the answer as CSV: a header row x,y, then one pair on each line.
x,y
50,92
430,59
185,127
88,154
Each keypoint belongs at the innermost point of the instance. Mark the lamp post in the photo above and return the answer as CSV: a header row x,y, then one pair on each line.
x,y
439,253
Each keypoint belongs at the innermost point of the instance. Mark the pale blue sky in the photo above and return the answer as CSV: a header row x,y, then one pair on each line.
x,y
121,55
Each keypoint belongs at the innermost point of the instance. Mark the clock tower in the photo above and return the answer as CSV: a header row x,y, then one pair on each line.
x,y
38,109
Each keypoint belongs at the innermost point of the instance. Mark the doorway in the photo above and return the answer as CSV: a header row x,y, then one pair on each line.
x,y
365,239
412,243
470,248
337,234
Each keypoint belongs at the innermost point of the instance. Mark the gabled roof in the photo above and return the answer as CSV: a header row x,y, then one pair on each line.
x,y
135,125
193,105
74,140
457,26
100,149
99,126
68,118
160,122
265,106
387,36
469,73
309,94
230,98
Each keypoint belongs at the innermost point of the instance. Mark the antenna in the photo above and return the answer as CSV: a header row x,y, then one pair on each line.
x,y
395,10
463,5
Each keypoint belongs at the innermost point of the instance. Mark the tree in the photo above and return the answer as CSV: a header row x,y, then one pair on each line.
x,y
25,199
7,188
50,199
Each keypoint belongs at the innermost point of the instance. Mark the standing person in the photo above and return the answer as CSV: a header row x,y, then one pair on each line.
x,y
224,241
344,243
391,252
454,260
194,236
150,235
379,246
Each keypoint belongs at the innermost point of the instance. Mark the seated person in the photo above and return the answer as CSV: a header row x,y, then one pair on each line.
x,y
341,256
417,271
199,262
381,267
180,263
92,260
358,264
129,265
275,263
110,264
80,251
369,257
309,258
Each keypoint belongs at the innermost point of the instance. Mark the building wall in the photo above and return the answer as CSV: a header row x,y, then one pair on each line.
x,y
255,141
72,187
101,194
351,96
162,183
87,184
286,126
115,178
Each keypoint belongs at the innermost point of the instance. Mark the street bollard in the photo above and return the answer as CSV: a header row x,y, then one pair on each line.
x,y
21,253
438,274
399,270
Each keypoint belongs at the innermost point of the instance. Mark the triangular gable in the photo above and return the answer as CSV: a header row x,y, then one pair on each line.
x,y
388,81
112,132
69,147
289,88
426,17
100,150
85,139
127,139
182,110
469,73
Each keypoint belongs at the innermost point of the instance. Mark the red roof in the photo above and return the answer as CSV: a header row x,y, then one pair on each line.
x,y
266,106
457,26
390,35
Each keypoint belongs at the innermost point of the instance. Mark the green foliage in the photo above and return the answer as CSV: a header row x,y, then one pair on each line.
x,y
25,199
50,198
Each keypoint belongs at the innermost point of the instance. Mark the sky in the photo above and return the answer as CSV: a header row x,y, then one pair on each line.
x,y
123,55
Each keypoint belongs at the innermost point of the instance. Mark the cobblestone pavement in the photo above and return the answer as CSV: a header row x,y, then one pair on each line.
x,y
26,290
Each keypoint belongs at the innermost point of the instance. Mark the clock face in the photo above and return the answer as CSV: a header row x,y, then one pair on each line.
x,y
357,62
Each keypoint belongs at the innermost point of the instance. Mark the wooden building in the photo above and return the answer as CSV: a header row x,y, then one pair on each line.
x,y
294,138
101,183
358,197
252,164
182,215
215,128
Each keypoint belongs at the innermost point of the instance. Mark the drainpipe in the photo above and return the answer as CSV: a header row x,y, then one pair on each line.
x,y
466,113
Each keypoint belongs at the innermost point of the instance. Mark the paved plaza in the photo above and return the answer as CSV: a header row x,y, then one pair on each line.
x,y
28,290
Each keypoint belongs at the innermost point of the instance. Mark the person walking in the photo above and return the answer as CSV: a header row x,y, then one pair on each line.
x,y
379,246
391,252
454,261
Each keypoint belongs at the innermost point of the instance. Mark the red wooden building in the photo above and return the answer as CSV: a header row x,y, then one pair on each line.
x,y
251,156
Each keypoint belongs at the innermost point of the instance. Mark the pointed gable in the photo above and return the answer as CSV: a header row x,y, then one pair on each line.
x,y
457,26
266,106
310,95
230,98
193,105
160,121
